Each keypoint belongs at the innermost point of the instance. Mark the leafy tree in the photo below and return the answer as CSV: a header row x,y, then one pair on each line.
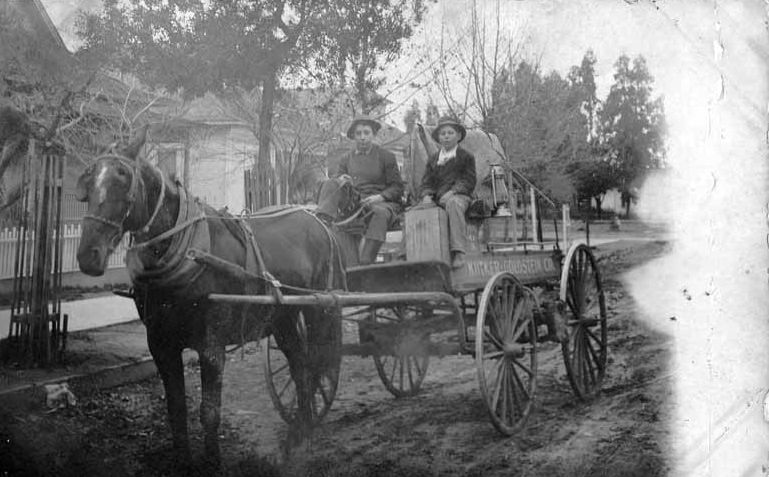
x,y
356,39
539,123
633,124
592,178
582,80
195,46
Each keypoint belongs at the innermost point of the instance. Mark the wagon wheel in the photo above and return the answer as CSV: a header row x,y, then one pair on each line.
x,y
506,351
401,363
584,353
281,385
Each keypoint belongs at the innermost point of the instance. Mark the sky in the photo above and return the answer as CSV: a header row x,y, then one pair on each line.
x,y
709,60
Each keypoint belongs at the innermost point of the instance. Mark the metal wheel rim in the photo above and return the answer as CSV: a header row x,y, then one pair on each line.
x,y
410,370
281,386
585,352
508,381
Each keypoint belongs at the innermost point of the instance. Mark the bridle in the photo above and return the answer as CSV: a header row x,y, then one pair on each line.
x,y
133,166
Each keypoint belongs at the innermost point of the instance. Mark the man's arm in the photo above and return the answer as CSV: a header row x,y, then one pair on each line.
x,y
393,190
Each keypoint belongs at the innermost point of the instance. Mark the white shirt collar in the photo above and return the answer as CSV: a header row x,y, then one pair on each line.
x,y
445,156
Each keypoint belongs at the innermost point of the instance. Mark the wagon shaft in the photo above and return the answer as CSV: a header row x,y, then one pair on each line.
x,y
328,299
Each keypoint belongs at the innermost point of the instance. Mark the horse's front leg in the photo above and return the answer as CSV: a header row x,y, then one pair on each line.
x,y
211,371
168,359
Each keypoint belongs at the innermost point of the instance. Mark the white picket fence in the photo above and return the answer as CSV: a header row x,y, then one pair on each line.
x,y
9,238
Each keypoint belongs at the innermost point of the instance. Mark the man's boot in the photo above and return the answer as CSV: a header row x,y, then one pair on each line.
x,y
369,252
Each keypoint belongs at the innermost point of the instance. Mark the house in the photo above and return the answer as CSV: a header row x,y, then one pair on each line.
x,y
207,147
211,143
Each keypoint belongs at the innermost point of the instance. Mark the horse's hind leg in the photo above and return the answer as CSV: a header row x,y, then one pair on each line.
x,y
211,370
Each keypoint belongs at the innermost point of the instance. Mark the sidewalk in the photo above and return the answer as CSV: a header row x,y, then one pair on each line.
x,y
106,346
87,314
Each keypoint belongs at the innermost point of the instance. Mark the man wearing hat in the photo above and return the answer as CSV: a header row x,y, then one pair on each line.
x,y
449,180
374,172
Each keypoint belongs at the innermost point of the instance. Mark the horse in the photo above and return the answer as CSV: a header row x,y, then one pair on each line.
x,y
127,194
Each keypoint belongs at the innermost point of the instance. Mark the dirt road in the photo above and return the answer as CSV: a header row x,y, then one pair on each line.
x,y
442,431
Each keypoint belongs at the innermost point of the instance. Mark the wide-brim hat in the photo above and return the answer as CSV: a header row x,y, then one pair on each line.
x,y
449,121
363,119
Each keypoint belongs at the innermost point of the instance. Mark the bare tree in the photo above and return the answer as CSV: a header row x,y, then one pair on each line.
x,y
473,59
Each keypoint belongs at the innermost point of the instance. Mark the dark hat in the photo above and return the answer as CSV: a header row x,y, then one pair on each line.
x,y
449,121
363,119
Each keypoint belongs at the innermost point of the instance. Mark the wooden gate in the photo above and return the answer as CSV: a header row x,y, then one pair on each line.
x,y
260,187
38,330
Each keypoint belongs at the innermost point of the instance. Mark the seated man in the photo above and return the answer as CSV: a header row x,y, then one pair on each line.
x,y
449,180
374,172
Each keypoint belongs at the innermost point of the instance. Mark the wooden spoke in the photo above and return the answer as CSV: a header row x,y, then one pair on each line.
x,y
406,371
525,368
288,383
585,351
494,339
278,375
279,370
505,314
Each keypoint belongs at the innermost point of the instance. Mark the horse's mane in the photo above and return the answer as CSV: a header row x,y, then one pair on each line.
x,y
231,223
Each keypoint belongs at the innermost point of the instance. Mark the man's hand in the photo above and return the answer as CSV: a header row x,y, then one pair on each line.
x,y
372,199
345,177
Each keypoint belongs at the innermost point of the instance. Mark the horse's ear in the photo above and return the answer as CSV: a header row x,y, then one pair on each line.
x,y
133,148
83,182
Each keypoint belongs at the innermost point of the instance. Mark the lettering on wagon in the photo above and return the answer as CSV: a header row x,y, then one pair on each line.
x,y
522,266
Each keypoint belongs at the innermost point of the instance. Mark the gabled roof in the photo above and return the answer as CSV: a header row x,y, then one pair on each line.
x,y
38,22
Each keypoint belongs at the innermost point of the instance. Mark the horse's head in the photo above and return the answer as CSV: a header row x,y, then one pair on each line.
x,y
110,187
338,199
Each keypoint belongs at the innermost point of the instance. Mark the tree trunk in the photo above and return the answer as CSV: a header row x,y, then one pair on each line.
x,y
598,205
269,83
